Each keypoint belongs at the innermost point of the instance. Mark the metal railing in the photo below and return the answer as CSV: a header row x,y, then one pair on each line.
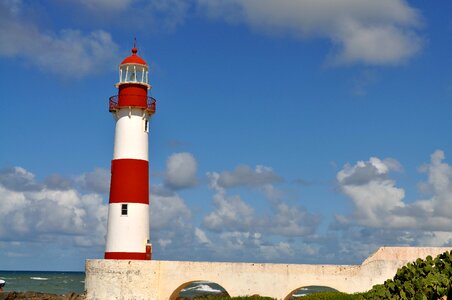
x,y
114,103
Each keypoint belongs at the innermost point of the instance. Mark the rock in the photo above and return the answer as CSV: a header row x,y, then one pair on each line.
x,y
39,296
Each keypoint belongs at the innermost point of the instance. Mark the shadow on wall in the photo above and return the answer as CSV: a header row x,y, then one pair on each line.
x,y
192,289
307,290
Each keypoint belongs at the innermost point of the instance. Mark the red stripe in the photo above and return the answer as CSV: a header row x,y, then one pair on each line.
x,y
127,255
129,181
135,95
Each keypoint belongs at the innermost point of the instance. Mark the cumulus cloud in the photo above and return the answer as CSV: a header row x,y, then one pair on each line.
x,y
181,171
97,181
361,31
243,175
41,214
372,192
58,182
202,237
249,245
171,224
439,184
68,52
168,211
379,203
292,221
232,214
19,179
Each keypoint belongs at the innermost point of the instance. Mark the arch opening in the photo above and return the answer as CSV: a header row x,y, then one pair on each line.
x,y
308,290
197,288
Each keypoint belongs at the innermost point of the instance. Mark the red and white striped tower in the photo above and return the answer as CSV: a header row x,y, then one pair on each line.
x,y
128,211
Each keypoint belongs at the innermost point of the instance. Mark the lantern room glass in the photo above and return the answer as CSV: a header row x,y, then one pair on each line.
x,y
133,73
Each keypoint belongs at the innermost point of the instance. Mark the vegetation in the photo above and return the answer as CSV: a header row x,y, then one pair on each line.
x,y
428,279
316,296
226,297
330,296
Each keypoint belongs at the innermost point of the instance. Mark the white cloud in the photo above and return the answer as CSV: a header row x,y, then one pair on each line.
x,y
171,224
163,243
373,195
251,246
231,214
292,221
379,203
244,175
97,181
42,214
181,171
68,52
362,31
168,211
439,184
202,237
19,179
58,182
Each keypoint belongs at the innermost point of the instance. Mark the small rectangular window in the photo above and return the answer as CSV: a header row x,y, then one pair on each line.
x,y
146,126
123,209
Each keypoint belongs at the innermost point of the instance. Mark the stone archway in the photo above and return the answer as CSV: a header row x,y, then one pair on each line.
x,y
198,287
306,290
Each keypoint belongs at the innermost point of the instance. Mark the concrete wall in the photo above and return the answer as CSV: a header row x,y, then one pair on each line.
x,y
159,280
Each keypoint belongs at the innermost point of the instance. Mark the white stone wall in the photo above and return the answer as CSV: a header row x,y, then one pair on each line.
x,y
159,280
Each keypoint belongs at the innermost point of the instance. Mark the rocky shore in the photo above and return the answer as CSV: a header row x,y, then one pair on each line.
x,y
39,296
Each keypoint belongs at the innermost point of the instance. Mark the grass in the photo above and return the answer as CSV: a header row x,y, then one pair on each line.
x,y
331,296
316,296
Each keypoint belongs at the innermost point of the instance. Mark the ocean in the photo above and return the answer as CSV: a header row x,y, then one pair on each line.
x,y
44,282
68,282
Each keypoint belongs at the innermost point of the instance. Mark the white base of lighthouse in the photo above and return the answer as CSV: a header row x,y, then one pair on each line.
x,y
128,227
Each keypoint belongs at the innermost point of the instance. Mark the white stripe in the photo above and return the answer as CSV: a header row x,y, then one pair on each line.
x,y
127,233
131,138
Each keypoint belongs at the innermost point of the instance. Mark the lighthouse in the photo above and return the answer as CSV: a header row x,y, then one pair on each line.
x,y
128,210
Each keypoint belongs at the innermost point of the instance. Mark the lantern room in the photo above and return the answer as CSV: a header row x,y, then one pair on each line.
x,y
133,69
133,85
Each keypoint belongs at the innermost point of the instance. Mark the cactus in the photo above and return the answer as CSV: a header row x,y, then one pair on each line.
x,y
424,279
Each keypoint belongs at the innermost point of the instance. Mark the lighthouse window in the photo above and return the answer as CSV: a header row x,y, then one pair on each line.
x,y
133,73
139,74
133,76
123,209
146,125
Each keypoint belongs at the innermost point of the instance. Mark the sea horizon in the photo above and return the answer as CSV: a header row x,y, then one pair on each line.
x,y
52,282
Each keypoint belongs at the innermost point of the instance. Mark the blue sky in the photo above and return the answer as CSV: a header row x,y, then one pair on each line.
x,y
292,131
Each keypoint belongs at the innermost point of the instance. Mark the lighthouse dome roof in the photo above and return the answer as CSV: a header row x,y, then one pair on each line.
x,y
134,58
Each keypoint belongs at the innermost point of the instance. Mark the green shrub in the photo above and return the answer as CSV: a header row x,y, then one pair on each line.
x,y
317,296
226,297
428,279
330,296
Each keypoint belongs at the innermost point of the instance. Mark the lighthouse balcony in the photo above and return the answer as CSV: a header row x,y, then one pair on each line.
x,y
136,101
